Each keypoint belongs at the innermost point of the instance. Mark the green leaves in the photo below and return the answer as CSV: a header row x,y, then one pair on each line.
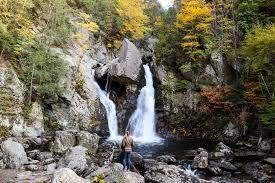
x,y
44,71
259,47
267,116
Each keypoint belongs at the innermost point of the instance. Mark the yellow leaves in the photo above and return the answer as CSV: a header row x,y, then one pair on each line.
x,y
190,44
90,26
14,13
194,12
87,23
133,17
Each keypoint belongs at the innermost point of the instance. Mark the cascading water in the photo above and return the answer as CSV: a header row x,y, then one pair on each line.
x,y
110,109
142,121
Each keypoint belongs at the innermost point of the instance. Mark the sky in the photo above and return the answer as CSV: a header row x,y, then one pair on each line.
x,y
166,3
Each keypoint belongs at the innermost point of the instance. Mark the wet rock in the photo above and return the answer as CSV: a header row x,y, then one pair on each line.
x,y
88,140
168,174
76,158
257,172
167,159
129,64
62,141
265,145
113,173
107,152
14,154
66,175
201,160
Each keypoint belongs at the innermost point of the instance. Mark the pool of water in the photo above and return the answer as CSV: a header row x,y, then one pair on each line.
x,y
173,147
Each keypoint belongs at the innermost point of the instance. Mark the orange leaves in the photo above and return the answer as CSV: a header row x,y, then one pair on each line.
x,y
215,98
253,94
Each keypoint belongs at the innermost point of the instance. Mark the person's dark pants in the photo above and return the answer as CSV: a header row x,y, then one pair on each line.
x,y
127,160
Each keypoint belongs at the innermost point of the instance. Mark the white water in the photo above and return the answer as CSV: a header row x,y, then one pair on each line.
x,y
110,109
142,121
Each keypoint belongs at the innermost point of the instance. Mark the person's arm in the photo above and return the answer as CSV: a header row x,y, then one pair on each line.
x,y
132,142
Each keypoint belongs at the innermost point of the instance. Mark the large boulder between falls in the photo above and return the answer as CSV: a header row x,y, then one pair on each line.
x,y
76,158
169,173
114,173
128,67
14,155
66,175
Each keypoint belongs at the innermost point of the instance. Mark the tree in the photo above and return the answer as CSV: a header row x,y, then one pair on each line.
x,y
52,17
133,18
194,19
43,71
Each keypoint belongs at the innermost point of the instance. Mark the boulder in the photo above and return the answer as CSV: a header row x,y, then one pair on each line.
x,y
227,166
137,159
62,141
66,175
231,132
168,174
88,140
30,177
76,158
148,163
14,155
127,69
257,172
167,159
265,145
223,150
107,152
113,173
201,160
270,161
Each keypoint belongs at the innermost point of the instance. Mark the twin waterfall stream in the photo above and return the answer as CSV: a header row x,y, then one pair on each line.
x,y
142,122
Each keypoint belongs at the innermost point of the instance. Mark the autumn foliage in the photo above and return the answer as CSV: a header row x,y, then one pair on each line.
x,y
133,17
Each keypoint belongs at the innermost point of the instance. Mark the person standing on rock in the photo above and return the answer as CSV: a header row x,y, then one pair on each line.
x,y
127,145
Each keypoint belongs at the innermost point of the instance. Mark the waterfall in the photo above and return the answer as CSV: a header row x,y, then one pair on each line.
x,y
142,121
109,107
